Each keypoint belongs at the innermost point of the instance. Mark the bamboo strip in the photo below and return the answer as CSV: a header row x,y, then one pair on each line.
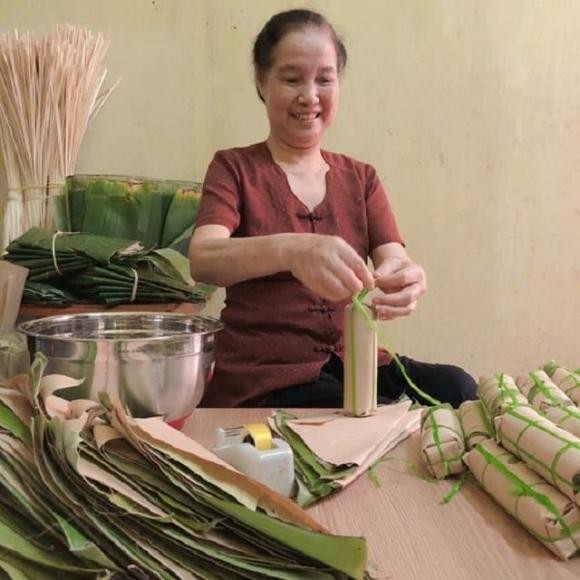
x,y
50,89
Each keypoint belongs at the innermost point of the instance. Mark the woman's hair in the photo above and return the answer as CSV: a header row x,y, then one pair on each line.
x,y
279,26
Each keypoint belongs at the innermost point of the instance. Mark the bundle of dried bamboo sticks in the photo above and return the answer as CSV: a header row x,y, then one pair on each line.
x,y
50,90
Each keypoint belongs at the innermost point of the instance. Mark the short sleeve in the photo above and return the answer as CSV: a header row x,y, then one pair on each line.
x,y
220,199
382,225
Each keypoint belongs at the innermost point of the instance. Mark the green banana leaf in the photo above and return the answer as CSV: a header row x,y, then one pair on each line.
x,y
153,211
143,503
315,477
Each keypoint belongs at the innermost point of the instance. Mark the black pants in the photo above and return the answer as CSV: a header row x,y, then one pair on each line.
x,y
447,383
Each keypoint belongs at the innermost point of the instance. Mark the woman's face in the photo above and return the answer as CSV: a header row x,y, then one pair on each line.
x,y
301,88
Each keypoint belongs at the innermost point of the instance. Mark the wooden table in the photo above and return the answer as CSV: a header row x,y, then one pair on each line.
x,y
410,534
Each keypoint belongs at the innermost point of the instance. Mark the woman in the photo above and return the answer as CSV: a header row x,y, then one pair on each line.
x,y
287,228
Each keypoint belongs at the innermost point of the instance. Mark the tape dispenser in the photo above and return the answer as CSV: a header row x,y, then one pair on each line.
x,y
252,450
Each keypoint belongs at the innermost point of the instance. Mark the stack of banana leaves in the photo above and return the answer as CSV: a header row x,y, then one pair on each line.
x,y
88,491
158,213
83,267
315,478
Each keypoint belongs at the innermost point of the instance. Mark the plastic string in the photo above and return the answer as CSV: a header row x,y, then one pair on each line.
x,y
53,247
456,487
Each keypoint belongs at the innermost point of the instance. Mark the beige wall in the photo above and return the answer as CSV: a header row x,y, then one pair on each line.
x,y
469,109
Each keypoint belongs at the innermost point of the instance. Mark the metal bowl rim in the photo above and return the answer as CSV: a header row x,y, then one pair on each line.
x,y
22,327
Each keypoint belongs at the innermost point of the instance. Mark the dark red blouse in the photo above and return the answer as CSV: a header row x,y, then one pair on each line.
x,y
277,332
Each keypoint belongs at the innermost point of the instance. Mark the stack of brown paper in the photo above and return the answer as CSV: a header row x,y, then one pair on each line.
x,y
442,441
545,512
567,418
341,440
498,393
569,382
541,392
546,448
12,279
475,424
360,361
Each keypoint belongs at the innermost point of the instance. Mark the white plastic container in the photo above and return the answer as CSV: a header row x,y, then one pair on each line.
x,y
273,467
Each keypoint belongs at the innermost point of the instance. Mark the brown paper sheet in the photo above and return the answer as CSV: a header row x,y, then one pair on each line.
x,y
344,440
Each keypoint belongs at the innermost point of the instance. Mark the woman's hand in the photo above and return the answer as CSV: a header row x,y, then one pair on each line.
x,y
402,283
329,266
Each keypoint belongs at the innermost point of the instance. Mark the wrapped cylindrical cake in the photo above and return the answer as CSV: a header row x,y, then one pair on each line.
x,y
442,441
360,361
568,418
475,424
541,392
546,448
545,512
567,380
499,393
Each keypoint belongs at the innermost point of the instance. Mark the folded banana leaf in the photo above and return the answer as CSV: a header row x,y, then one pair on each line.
x,y
44,293
111,271
156,277
153,211
91,492
48,255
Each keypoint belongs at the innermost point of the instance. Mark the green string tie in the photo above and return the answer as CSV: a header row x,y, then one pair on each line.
x,y
358,304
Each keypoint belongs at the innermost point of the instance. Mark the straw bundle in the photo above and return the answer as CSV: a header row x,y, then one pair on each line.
x,y
50,89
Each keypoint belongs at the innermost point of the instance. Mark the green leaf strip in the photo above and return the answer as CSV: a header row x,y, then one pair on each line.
x,y
357,302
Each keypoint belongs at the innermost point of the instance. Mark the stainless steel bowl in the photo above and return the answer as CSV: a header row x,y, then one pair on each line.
x,y
158,363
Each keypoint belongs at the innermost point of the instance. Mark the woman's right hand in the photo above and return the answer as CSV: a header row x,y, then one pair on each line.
x,y
328,266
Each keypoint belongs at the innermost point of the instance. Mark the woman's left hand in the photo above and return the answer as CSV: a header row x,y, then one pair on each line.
x,y
401,283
